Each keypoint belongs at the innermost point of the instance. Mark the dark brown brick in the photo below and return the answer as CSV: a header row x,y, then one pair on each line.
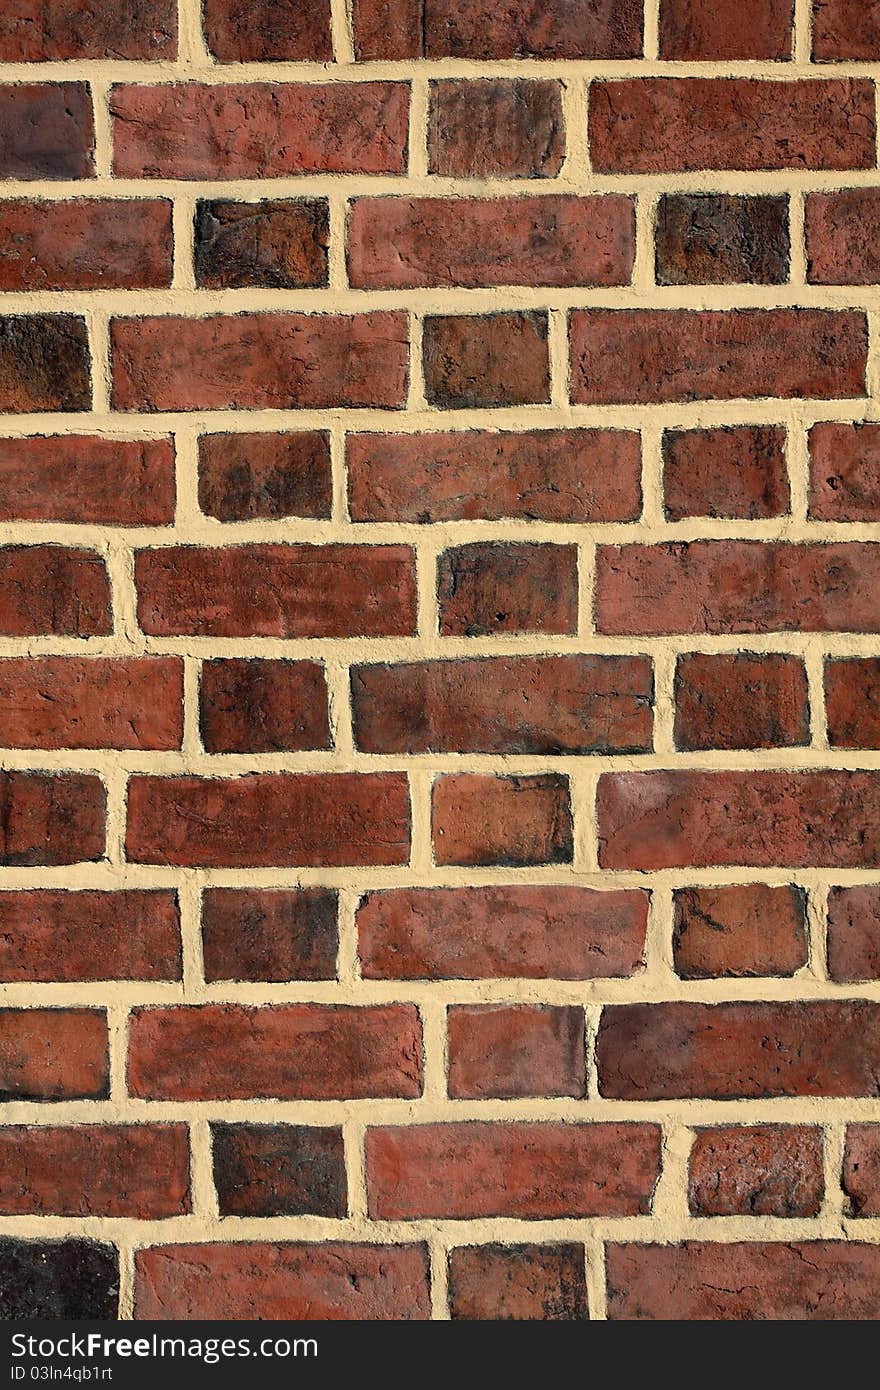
x,y
262,706
740,700
846,30
269,934
45,362
66,1279
477,29
734,472
488,587
272,244
720,239
497,127
51,818
706,31
486,360
526,1283
756,1170
263,31
841,230
740,930
279,1170
53,589
46,130
248,477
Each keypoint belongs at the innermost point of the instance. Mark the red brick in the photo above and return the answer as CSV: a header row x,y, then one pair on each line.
x,y
320,1282
277,591
846,29
515,1050
756,1170
257,130
279,1170
86,479
259,361
495,127
53,589
140,1171
87,244
58,1279
703,30
744,1282
845,472
276,819
60,936
740,700
44,361
720,239
479,29
92,702
54,1054
861,1170
524,1283
493,586
272,244
578,475
48,818
508,705
737,586
841,229
523,932
738,1051
648,356
740,931
287,1051
401,243
263,706
483,360
268,934
671,124
732,472
33,31
47,129
656,820
854,933
246,477
529,1171
512,821
267,30
852,699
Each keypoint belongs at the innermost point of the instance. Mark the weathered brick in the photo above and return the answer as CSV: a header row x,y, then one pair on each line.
x,y
286,1051
404,243
48,818
507,705
524,1283
247,477
845,472
846,29
486,360
47,129
87,244
852,700
58,1279
734,472
515,1050
861,1170
54,1054
305,1281
740,930
740,700
262,706
514,821
854,933
743,1281
33,31
654,820
279,1170
738,1051
53,589
499,932
139,1170
259,361
269,934
721,239
258,130
275,244
44,360
495,127
268,30
653,356
277,591
92,702
277,819
530,1171
578,475
479,29
756,1170
87,479
737,586
672,124
702,30
51,935
489,587
841,230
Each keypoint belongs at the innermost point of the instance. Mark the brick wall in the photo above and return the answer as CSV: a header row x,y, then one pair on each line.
x,y
439,666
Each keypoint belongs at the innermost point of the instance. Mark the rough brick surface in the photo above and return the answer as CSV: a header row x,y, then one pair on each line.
x,y
508,1051
861,1170
722,239
263,706
740,701
279,1170
53,30
854,933
54,1054
756,1170
729,472
278,934
483,589
752,929
486,360
88,244
477,29
87,479
279,244
48,131
95,1170
62,935
502,820
845,472
701,30
248,477
58,1279
506,128
522,1283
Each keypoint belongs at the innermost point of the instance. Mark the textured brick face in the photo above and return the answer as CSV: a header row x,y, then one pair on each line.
x,y
439,665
